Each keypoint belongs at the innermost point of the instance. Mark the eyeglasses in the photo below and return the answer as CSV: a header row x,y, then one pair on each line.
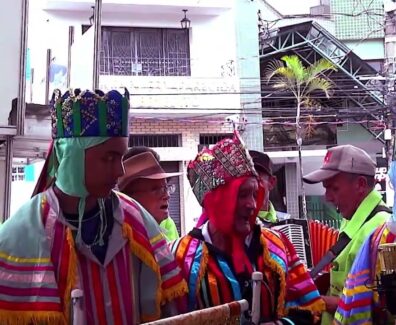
x,y
170,189
159,191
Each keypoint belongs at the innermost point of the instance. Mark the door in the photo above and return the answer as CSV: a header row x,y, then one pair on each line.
x,y
174,201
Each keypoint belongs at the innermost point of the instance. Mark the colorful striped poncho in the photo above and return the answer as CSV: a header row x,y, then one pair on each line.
x,y
212,281
359,303
40,266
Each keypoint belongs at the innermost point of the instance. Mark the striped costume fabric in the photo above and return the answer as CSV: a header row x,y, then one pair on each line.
x,y
38,273
359,304
212,281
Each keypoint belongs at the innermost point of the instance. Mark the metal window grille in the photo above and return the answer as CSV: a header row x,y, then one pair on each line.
x,y
18,173
206,140
134,51
154,140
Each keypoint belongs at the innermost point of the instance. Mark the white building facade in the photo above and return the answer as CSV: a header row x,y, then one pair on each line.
x,y
188,87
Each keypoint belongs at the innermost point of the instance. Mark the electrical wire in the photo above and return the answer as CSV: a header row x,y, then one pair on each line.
x,y
350,90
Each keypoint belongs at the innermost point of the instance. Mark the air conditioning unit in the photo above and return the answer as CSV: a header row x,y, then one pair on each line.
x,y
296,230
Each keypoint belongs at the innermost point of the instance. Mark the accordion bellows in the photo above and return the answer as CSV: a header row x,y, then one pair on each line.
x,y
213,167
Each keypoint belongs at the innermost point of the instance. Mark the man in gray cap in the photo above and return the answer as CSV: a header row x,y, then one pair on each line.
x,y
348,176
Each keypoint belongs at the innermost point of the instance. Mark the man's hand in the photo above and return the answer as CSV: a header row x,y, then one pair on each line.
x,y
331,303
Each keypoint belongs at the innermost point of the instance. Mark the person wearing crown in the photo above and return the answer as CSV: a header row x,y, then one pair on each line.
x,y
79,252
218,257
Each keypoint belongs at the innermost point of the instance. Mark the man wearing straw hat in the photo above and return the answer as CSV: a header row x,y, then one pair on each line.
x,y
78,251
146,182
348,176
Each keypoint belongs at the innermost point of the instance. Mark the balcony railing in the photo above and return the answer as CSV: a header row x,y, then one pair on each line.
x,y
128,66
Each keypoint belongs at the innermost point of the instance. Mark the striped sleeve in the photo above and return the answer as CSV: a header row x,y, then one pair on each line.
x,y
359,303
301,291
28,288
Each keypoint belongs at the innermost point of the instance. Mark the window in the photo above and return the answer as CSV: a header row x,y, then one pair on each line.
x,y
208,139
154,140
174,200
145,51
283,137
18,173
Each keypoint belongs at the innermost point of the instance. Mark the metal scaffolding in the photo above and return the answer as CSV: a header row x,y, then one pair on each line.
x,y
358,94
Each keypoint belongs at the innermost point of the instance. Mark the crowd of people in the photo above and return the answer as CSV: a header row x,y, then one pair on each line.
x,y
99,222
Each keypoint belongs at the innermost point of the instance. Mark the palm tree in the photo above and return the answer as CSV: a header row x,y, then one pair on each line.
x,y
291,75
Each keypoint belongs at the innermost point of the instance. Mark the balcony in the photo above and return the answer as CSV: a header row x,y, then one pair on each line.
x,y
166,73
155,65
136,51
128,66
208,7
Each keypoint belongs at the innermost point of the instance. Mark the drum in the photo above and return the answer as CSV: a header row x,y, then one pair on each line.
x,y
387,282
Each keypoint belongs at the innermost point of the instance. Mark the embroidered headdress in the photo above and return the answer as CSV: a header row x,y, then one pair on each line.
x,y
213,167
216,176
89,114
82,115
81,120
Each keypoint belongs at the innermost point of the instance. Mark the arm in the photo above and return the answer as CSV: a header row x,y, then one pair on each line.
x,y
303,301
359,301
301,292
331,303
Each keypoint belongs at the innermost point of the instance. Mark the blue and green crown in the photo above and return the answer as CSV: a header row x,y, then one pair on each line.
x,y
89,114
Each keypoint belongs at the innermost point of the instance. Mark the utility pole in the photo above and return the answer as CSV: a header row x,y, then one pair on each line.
x,y
48,75
21,104
69,54
390,74
97,43
248,67
390,80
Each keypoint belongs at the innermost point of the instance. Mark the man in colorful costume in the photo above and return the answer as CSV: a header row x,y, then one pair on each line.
x,y
79,234
219,257
347,174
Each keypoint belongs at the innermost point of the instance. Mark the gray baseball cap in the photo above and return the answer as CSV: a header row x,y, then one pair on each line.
x,y
347,159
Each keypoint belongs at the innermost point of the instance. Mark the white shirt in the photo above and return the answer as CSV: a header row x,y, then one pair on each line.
x,y
206,235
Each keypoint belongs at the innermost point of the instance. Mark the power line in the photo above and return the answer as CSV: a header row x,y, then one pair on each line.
x,y
365,12
376,124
